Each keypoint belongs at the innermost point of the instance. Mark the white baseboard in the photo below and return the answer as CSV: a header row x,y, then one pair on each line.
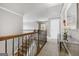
x,y
51,39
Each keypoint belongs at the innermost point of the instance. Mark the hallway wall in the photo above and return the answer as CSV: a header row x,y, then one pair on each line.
x,y
29,24
9,24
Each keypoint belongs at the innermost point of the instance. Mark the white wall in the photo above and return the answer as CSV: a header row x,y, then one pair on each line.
x,y
72,16
9,24
29,24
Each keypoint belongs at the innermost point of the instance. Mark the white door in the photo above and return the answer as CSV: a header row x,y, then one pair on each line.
x,y
54,28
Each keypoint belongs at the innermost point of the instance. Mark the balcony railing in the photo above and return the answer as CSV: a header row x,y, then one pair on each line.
x,y
28,44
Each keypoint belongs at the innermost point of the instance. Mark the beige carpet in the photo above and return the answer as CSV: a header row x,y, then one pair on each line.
x,y
50,49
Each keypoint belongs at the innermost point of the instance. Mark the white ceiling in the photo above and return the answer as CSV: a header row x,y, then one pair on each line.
x,y
35,10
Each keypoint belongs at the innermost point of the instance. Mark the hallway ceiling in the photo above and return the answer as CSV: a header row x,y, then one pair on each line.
x,y
35,10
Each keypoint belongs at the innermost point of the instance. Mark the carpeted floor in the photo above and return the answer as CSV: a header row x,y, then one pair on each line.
x,y
50,49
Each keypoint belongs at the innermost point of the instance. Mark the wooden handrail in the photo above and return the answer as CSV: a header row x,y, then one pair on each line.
x,y
26,39
6,37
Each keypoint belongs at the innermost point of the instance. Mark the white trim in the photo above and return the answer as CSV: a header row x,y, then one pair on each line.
x,y
18,14
67,49
65,8
49,39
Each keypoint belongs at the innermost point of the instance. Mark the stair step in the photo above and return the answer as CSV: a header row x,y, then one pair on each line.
x,y
23,49
21,52
18,54
26,45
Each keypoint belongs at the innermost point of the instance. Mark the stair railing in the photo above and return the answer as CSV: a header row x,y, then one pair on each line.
x,y
26,41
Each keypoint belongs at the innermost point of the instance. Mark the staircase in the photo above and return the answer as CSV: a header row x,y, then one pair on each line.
x,y
23,50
